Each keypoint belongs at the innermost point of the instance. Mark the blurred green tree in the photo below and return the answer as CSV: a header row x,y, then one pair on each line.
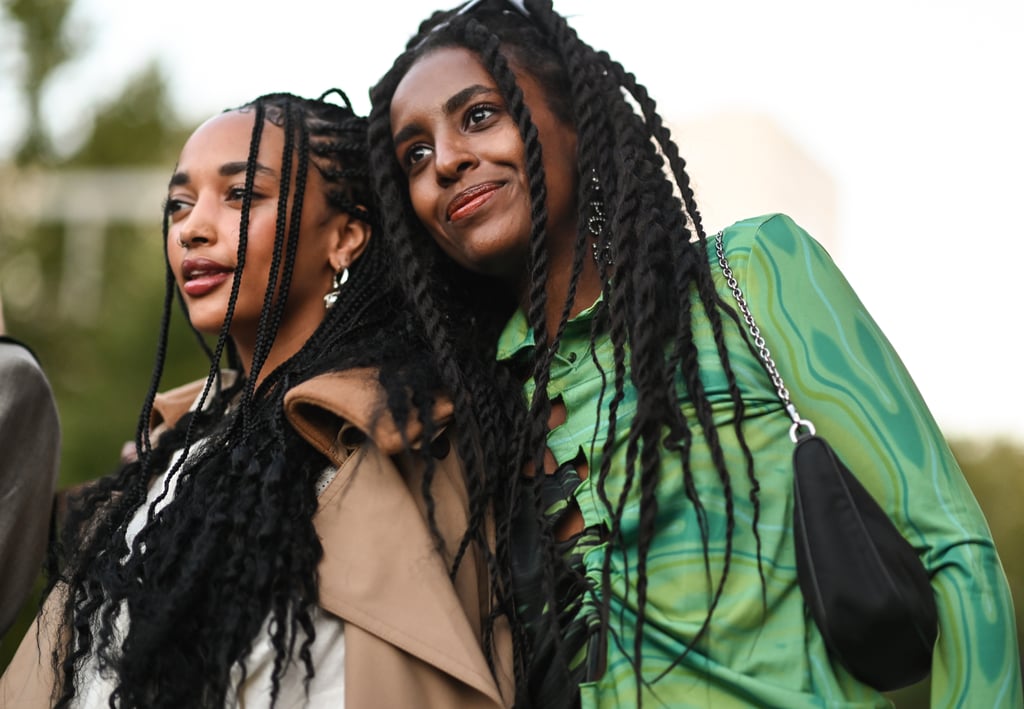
x,y
45,46
100,365
138,128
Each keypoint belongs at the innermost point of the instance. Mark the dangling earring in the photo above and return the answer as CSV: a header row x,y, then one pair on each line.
x,y
595,224
340,277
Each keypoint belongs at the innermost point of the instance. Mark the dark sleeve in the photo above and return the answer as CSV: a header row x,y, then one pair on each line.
x,y
29,452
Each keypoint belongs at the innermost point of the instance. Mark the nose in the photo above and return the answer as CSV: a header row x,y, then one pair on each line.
x,y
452,157
196,227
191,239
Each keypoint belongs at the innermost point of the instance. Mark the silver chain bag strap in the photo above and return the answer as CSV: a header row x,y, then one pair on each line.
x,y
862,581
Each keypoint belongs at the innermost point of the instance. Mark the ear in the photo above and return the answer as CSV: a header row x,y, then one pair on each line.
x,y
348,240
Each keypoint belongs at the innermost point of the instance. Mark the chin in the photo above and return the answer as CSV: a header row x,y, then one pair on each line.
x,y
208,329
206,323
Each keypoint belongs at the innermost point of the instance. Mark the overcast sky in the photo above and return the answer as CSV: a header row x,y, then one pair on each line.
x,y
912,105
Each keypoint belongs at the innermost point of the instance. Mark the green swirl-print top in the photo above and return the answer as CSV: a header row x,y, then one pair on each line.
x,y
844,376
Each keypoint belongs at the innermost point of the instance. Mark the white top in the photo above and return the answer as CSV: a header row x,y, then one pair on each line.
x,y
326,688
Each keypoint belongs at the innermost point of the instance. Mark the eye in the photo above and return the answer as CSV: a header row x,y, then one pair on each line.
x,y
237,194
176,207
479,113
416,153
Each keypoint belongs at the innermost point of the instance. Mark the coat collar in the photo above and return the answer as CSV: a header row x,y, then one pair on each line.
x,y
171,405
335,411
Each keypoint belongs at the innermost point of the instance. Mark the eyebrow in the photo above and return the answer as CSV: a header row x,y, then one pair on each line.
x,y
453,104
228,169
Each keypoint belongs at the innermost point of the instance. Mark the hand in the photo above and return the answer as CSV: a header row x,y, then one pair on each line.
x,y
128,454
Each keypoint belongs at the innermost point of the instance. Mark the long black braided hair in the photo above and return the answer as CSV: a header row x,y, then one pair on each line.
x,y
653,234
236,550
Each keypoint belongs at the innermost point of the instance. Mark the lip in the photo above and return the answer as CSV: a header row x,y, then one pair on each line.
x,y
470,200
202,275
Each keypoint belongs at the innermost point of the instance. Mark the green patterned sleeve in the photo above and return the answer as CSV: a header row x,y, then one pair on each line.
x,y
846,378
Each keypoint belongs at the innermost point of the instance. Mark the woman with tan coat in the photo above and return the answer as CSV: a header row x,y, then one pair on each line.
x,y
297,530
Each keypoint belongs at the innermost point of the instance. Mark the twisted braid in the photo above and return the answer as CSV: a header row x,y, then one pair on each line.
x,y
462,320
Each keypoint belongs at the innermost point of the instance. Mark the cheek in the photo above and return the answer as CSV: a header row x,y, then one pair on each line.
x,y
422,201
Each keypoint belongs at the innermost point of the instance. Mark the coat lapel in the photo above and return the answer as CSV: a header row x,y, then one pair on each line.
x,y
382,572
381,568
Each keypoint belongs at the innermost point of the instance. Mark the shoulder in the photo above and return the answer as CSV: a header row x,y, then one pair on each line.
x,y
774,233
16,356
352,403
764,248
169,406
20,374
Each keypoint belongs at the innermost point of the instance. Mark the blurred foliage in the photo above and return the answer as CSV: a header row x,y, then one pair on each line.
x,y
45,46
139,128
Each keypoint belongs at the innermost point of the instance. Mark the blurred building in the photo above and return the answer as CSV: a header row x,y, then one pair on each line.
x,y
85,203
744,164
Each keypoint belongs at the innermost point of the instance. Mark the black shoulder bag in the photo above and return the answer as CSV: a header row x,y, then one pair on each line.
x,y
864,585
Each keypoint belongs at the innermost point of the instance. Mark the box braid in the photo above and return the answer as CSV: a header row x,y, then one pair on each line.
x,y
658,244
236,550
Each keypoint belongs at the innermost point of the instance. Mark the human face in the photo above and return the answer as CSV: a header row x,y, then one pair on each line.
x,y
465,162
205,201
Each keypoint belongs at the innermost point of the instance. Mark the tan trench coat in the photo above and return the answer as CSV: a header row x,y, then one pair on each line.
x,y
412,636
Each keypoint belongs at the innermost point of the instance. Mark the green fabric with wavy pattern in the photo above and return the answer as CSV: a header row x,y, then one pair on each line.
x,y
843,375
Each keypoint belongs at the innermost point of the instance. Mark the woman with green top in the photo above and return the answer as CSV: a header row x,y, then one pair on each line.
x,y
644,483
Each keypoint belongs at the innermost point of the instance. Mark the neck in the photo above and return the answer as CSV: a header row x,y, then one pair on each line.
x,y
289,340
588,288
